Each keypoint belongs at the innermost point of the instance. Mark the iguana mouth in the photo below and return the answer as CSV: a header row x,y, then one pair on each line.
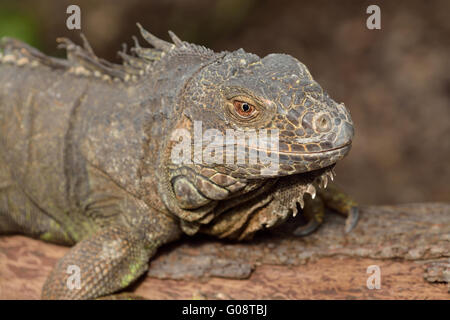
x,y
325,153
282,163
282,152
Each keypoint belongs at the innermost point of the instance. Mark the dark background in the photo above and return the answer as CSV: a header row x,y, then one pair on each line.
x,y
395,81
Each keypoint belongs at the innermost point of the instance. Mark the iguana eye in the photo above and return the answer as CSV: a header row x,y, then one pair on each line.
x,y
244,109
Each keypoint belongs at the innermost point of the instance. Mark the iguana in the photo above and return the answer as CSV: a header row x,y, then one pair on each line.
x,y
87,152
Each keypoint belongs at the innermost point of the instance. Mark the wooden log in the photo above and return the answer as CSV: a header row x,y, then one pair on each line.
x,y
409,243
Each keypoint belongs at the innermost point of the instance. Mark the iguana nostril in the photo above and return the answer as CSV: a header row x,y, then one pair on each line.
x,y
322,123
345,135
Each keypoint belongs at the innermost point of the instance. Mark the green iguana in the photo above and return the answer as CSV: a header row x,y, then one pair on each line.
x,y
87,152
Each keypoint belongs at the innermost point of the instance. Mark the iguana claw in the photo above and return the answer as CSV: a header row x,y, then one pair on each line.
x,y
352,219
307,229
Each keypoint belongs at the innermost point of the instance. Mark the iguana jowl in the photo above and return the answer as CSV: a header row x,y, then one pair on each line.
x,y
85,152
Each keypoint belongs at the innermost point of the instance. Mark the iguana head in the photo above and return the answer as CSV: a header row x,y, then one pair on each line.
x,y
276,95
236,106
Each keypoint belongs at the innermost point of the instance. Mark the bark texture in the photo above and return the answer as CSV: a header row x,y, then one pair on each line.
x,y
410,243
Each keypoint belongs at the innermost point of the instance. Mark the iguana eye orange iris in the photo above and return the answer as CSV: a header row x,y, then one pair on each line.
x,y
244,109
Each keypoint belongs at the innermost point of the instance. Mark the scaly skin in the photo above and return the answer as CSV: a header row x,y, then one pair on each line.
x,y
86,152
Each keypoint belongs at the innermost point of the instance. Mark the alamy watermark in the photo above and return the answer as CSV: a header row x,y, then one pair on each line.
x,y
74,20
239,147
374,280
374,20
74,279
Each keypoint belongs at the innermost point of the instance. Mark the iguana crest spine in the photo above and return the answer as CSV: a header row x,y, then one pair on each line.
x,y
83,61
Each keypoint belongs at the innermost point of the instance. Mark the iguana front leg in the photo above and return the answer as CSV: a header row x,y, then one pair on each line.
x,y
107,262
112,258
342,203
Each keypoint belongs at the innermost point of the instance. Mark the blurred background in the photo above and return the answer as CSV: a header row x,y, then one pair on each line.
x,y
395,81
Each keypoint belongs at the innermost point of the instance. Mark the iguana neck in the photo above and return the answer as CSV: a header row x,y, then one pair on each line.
x,y
137,126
